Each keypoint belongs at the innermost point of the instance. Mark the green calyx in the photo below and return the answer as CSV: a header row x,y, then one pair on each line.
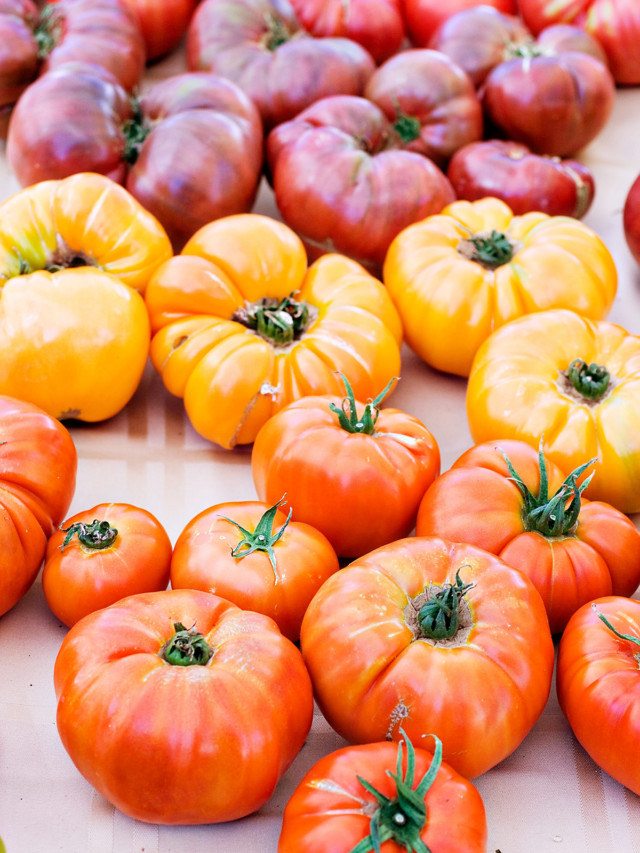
x,y
277,32
491,250
348,415
280,321
407,127
556,515
439,616
48,30
262,538
403,817
135,130
186,648
629,637
95,536
589,380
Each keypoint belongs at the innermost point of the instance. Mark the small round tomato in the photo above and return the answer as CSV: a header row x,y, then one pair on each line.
x,y
354,795
101,555
355,472
255,556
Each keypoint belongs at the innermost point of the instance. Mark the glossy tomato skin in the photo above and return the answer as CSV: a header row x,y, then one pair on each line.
x,y
261,46
78,118
163,25
233,378
477,501
329,803
344,180
423,17
631,219
19,61
374,672
78,579
525,181
181,744
38,463
518,388
360,490
303,559
551,262
597,685
615,25
378,26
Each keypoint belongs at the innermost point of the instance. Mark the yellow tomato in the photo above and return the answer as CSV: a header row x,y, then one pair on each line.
x,y
242,326
571,382
457,276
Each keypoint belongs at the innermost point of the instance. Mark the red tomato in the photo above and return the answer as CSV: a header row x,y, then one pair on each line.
x,y
101,555
253,555
508,499
163,23
631,219
433,637
353,794
38,463
598,686
424,16
355,472
181,708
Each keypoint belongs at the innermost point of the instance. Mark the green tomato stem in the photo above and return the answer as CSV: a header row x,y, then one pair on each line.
x,y
439,616
262,538
589,380
348,418
279,321
95,536
186,648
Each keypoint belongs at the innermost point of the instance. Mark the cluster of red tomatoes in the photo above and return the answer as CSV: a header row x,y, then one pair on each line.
x,y
419,156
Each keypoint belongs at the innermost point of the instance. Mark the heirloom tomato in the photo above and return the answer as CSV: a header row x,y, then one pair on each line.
x,y
354,471
598,685
423,17
572,383
377,25
74,330
614,23
101,555
631,219
241,326
38,462
79,119
261,46
431,637
253,555
163,23
457,276
181,708
345,181
353,795
506,498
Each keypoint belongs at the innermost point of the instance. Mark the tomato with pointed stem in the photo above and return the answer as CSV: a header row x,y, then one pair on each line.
x,y
254,555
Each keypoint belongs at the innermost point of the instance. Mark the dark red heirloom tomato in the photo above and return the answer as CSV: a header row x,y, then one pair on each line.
x,y
631,219
423,17
190,149
525,181
261,46
163,23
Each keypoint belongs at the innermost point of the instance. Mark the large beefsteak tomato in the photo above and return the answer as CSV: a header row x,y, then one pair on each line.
x,y
181,708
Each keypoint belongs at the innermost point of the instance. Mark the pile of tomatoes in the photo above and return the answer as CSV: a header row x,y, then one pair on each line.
x,y
424,158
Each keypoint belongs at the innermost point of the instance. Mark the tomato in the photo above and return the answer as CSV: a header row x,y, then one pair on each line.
x,y
255,556
614,23
163,24
78,118
38,462
101,555
423,17
344,180
261,46
525,181
573,383
353,470
505,498
377,25
631,219
242,326
181,708
597,684
433,637
74,255
353,795
457,276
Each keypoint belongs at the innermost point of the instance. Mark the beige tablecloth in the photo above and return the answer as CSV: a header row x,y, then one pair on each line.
x,y
548,797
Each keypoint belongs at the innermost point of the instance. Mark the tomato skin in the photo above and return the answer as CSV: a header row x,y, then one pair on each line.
x,y
303,556
360,490
181,744
424,16
476,501
78,579
631,219
517,390
372,674
38,463
597,685
163,24
326,812
556,262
